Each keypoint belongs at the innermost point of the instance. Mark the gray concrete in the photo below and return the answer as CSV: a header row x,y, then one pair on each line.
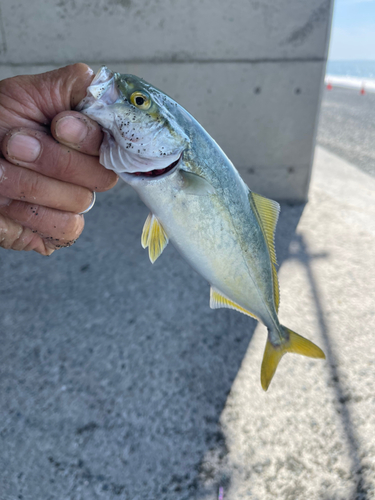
x,y
251,72
118,381
347,126
55,32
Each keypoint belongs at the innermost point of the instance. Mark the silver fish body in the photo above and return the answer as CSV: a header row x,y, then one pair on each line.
x,y
197,200
217,233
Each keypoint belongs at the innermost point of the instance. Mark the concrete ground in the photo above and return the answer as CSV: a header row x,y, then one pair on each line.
x,y
118,381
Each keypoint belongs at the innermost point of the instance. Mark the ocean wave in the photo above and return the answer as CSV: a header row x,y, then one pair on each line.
x,y
351,82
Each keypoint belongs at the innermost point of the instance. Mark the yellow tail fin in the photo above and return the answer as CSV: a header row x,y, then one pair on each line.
x,y
293,343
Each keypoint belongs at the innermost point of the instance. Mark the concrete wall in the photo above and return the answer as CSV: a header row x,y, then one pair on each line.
x,y
249,70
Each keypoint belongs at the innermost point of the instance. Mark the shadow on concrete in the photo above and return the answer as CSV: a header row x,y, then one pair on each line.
x,y
113,372
303,255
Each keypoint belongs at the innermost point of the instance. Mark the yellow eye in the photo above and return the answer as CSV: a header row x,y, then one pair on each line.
x,y
141,100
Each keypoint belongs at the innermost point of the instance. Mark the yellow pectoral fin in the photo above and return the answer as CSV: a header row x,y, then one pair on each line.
x,y
217,301
146,231
154,237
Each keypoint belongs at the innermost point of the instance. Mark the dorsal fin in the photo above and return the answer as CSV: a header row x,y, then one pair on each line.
x,y
268,213
154,237
276,288
217,300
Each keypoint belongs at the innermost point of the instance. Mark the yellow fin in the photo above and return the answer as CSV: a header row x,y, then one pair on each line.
x,y
292,343
146,231
268,214
276,288
154,237
217,300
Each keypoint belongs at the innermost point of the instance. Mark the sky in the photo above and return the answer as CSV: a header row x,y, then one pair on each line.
x,y
353,30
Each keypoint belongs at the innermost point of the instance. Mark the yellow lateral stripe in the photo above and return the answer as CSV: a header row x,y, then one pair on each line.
x,y
217,301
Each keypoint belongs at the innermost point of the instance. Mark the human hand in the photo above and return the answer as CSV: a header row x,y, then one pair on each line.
x,y
44,184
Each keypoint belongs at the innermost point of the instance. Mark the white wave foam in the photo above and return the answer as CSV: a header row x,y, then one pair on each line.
x,y
351,82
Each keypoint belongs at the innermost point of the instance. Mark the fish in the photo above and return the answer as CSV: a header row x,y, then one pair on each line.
x,y
197,200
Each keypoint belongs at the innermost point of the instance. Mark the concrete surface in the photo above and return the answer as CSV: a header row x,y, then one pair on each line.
x,y
118,381
250,71
347,126
44,31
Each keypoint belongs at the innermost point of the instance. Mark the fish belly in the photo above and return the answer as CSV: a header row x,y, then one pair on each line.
x,y
202,229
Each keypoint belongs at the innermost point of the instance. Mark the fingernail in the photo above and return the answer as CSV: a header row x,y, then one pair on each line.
x,y
70,129
4,202
24,147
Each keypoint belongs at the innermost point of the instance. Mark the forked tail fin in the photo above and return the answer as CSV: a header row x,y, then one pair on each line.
x,y
292,343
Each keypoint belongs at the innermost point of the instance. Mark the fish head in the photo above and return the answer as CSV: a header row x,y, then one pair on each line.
x,y
141,134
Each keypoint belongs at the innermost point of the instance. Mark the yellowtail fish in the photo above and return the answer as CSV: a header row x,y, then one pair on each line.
x,y
197,200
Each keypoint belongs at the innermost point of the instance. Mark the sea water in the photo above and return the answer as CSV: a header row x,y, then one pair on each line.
x,y
351,74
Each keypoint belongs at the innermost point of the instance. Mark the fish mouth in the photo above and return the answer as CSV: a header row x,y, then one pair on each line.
x,y
157,172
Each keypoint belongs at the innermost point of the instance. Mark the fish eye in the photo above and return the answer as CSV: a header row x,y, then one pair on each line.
x,y
141,100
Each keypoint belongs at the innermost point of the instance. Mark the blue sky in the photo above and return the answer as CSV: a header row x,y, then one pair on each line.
x,y
353,30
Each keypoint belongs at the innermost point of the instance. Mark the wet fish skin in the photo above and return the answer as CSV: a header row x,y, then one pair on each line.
x,y
223,230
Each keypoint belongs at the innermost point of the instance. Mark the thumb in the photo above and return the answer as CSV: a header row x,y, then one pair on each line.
x,y
33,100
61,89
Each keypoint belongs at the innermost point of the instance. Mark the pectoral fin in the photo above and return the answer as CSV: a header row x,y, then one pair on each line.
x,y
217,301
195,184
154,237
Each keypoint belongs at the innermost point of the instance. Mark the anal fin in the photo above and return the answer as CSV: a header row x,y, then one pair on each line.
x,y
218,300
154,237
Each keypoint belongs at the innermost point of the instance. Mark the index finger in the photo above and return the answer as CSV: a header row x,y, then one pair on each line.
x,y
78,132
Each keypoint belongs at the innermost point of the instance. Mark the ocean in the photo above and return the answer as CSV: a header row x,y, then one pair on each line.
x,y
347,118
351,74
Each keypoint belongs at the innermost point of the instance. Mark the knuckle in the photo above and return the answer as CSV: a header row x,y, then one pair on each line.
x,y
65,163
29,186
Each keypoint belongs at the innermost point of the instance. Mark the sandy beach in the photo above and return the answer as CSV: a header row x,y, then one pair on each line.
x,y
117,381
347,126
